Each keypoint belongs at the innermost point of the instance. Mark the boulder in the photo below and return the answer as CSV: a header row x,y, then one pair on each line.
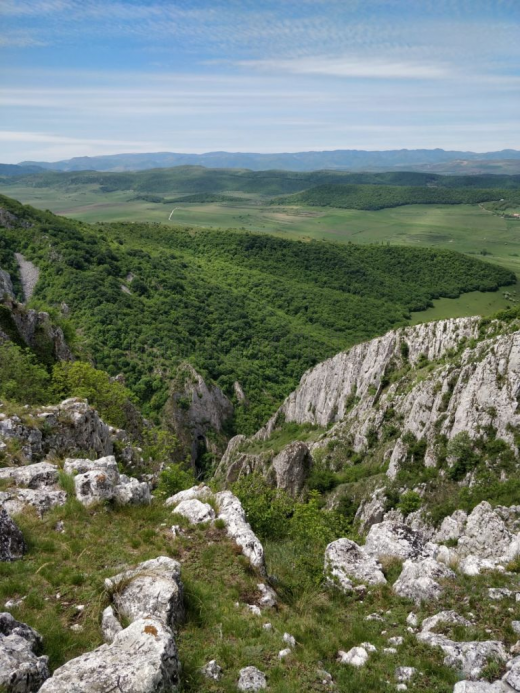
x,y
238,528
12,544
212,670
201,493
99,480
21,669
446,617
398,541
403,674
451,527
141,659
15,500
479,687
473,565
468,657
107,464
32,475
94,487
153,589
268,598
251,679
512,677
356,657
195,511
419,580
372,511
346,561
130,491
291,467
486,536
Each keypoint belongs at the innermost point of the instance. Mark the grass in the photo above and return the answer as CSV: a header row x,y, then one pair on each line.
x,y
64,570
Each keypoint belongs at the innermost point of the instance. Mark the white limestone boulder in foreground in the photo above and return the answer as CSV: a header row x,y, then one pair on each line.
x,y
141,659
395,540
346,561
21,669
153,589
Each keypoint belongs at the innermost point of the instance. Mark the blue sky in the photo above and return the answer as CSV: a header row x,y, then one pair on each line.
x,y
87,77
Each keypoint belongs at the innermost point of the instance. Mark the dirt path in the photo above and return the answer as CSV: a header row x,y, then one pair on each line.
x,y
29,274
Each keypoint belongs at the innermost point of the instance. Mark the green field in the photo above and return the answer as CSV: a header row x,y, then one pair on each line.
x,y
469,229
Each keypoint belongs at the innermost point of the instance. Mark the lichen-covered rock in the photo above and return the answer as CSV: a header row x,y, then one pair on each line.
x,y
398,541
238,528
94,487
130,491
356,657
468,657
419,580
152,589
99,480
22,670
291,467
212,670
195,511
12,544
32,475
251,679
346,561
15,500
141,659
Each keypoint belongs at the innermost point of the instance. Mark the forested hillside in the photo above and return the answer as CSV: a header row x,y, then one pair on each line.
x,y
241,307
373,197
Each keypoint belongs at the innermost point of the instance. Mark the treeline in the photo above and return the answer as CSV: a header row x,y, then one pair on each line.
x,y
241,307
374,197
197,179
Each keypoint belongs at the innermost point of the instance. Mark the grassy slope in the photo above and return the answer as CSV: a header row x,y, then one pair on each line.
x,y
64,570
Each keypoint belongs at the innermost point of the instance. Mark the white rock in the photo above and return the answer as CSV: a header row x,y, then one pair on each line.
x,y
515,625
346,561
110,625
195,511
141,659
369,647
212,670
451,527
398,541
469,657
499,593
448,617
267,626
284,653
486,536
251,679
396,640
254,609
403,674
473,565
356,657
419,580
289,640
268,597
412,620
237,527
200,492
153,589
130,491
32,475
478,687
389,650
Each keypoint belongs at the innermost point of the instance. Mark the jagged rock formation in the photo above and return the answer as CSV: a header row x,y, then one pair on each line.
x,y
29,275
22,670
197,413
68,428
346,561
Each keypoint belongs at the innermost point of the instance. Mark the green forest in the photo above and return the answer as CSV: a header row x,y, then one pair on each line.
x,y
374,197
239,306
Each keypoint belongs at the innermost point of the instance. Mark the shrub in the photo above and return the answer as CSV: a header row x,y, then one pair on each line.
x,y
409,502
174,479
22,378
267,509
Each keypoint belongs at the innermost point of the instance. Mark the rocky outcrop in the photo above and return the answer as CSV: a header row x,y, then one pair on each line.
x,y
421,580
22,670
32,476
12,544
395,540
15,500
195,511
197,413
29,275
346,561
6,286
291,468
153,589
141,659
238,528
66,429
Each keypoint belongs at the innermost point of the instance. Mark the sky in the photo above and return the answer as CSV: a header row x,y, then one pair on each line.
x,y
91,77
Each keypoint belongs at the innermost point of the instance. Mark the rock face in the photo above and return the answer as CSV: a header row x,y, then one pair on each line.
x,y
197,413
346,561
12,544
485,535
21,669
29,274
6,286
153,589
141,659
291,468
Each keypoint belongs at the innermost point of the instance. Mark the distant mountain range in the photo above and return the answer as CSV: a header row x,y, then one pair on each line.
x,y
434,160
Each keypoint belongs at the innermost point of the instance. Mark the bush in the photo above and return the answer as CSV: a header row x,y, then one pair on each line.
x,y
409,502
22,378
80,379
267,509
174,479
